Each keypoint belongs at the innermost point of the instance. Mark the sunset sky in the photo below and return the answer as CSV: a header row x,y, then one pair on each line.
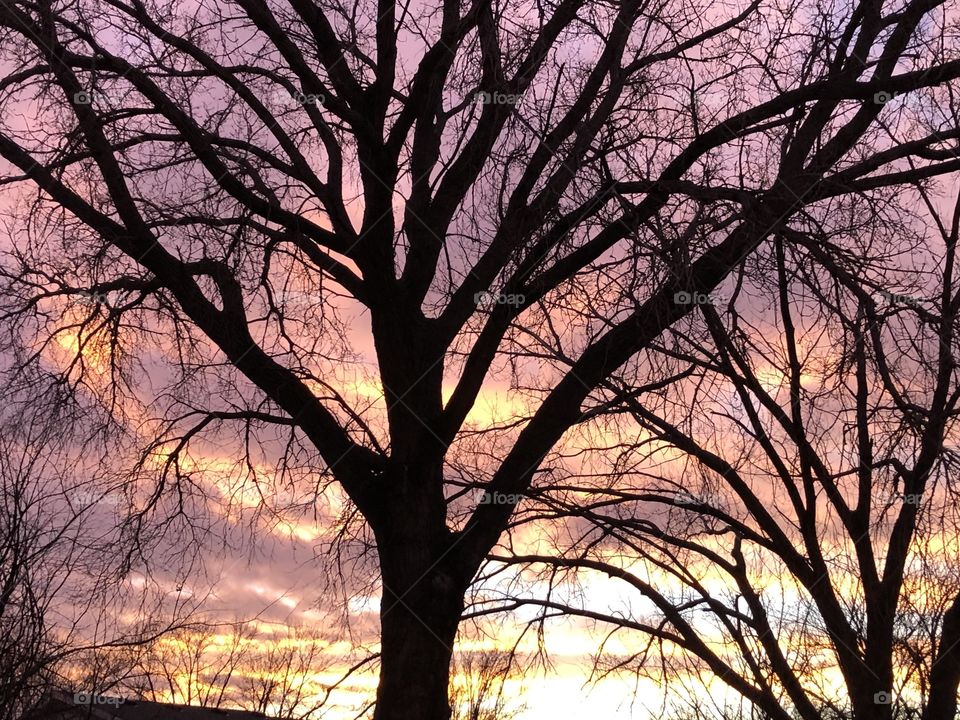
x,y
620,335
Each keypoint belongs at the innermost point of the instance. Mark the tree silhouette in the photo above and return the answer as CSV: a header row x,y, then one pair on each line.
x,y
787,507
222,214
58,558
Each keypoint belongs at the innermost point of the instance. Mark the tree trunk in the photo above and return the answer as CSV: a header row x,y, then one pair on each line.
x,y
416,647
423,589
945,674
418,627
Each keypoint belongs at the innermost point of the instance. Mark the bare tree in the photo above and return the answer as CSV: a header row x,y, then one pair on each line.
x,y
191,666
787,507
280,680
219,208
62,582
55,573
478,686
27,582
235,665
